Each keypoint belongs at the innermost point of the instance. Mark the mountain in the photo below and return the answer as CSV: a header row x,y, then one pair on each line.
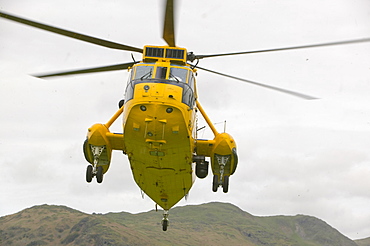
x,y
206,224
363,242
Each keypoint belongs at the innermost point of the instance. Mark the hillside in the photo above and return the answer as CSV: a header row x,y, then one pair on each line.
x,y
363,242
207,224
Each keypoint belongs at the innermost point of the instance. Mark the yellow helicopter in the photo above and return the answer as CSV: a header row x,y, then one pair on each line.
x,y
160,118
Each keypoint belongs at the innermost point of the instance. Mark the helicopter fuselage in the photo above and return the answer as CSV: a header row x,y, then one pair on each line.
x,y
159,125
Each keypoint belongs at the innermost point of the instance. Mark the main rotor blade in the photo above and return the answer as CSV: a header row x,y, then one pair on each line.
x,y
288,48
122,66
169,24
71,34
293,93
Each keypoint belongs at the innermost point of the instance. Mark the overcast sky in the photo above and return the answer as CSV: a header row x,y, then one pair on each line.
x,y
296,156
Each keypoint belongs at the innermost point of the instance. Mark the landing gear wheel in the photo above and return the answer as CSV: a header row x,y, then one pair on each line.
x,y
215,183
89,174
99,174
164,224
225,184
165,220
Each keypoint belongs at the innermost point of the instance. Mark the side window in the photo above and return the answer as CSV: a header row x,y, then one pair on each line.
x,y
188,91
138,73
129,94
191,80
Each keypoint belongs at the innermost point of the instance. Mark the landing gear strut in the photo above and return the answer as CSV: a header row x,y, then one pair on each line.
x,y
165,220
95,170
222,180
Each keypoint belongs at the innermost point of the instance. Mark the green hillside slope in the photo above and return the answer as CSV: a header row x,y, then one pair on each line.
x,y
207,224
363,242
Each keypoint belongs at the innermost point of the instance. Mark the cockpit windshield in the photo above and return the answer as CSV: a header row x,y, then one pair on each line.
x,y
143,72
179,76
146,72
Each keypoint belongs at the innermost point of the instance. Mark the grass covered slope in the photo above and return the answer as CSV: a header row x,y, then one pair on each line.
x,y
363,242
207,224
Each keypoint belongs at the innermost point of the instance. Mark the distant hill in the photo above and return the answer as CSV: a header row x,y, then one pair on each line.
x,y
363,242
207,224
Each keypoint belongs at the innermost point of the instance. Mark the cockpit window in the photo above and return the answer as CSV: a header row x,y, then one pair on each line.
x,y
143,72
178,74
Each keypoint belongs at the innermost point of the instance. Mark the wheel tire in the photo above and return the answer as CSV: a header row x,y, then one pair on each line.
x,y
225,184
99,174
215,183
164,225
89,174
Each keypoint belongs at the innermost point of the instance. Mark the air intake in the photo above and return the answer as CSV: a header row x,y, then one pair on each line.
x,y
165,54
172,53
154,52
